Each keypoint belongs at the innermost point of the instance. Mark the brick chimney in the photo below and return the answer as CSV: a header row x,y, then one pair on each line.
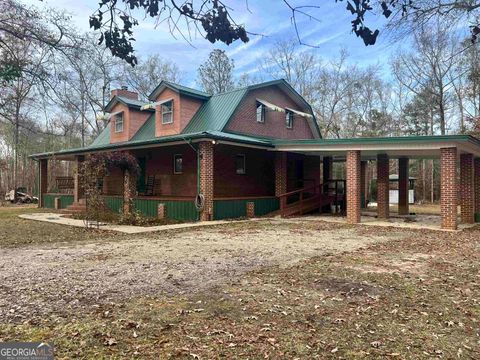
x,y
123,91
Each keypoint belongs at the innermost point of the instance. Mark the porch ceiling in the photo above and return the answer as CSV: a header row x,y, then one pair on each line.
x,y
412,147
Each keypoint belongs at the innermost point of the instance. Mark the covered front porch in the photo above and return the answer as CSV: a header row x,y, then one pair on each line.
x,y
234,179
459,158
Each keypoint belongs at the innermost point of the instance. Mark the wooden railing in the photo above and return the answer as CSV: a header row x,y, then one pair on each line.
x,y
310,192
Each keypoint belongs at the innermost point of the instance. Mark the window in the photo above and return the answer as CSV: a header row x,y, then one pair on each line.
x,y
167,113
289,119
240,164
178,164
119,122
261,110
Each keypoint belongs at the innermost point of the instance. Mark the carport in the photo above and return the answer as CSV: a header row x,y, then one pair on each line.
x,y
459,162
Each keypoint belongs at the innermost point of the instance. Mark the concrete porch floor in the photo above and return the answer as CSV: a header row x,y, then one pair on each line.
x,y
419,221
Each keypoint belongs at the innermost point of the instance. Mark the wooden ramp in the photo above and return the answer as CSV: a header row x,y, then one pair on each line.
x,y
310,199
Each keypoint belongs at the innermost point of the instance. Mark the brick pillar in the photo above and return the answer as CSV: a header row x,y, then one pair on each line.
x,y
162,211
383,186
78,190
477,185
403,186
448,187
57,204
467,189
206,179
250,209
128,180
363,183
353,186
43,180
280,173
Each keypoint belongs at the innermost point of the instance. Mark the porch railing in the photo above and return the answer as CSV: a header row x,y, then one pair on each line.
x,y
333,189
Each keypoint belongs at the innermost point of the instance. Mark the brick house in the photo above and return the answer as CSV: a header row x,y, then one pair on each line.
x,y
254,151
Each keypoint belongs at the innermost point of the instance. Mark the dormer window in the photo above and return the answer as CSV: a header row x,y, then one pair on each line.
x,y
119,122
289,119
167,112
261,111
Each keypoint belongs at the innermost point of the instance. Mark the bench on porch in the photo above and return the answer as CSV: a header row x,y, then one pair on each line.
x,y
64,184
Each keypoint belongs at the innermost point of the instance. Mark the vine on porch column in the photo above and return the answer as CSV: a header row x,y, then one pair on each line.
x,y
95,168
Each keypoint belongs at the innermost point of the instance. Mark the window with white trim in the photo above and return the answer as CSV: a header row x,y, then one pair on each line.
x,y
119,122
261,112
178,164
289,119
167,112
240,164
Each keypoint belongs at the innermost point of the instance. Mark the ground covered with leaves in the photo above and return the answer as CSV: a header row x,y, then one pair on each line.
x,y
414,295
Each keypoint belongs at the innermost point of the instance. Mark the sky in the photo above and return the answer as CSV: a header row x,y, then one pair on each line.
x,y
271,18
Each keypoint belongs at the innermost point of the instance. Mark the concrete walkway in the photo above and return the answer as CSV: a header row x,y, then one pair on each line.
x,y
55,218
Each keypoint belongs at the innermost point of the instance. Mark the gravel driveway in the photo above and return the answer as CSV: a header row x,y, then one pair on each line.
x,y
64,279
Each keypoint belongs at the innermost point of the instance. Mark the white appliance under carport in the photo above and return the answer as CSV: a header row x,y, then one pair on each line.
x,y
394,192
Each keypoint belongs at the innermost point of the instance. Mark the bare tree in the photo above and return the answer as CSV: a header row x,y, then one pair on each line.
x,y
428,67
300,67
215,75
149,73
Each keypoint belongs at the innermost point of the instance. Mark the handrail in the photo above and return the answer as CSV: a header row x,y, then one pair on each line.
x,y
298,191
317,190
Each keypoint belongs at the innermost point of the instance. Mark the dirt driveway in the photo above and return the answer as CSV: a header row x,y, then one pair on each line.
x,y
64,279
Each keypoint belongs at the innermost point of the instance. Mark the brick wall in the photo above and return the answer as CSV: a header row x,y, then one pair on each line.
x,y
383,186
477,185
353,186
258,179
403,186
244,120
132,121
206,150
467,189
113,183
363,183
125,93
280,173
448,187
159,163
184,108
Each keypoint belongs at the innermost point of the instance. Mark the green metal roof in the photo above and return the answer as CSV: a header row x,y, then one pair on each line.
x,y
215,113
382,140
103,138
214,135
180,88
147,131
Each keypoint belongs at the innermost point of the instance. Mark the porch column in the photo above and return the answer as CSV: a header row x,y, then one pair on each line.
x,y
128,181
206,179
327,168
280,173
353,186
467,189
448,187
363,183
383,186
403,186
78,189
43,180
477,186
